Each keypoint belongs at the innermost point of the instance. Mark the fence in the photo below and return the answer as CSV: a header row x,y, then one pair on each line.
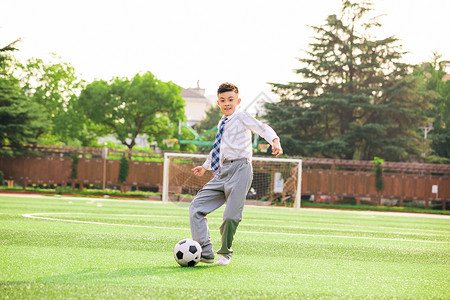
x,y
402,181
320,177
53,166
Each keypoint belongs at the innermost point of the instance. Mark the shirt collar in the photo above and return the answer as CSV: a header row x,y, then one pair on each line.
x,y
230,116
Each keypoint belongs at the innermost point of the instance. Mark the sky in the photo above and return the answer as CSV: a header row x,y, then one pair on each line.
x,y
205,42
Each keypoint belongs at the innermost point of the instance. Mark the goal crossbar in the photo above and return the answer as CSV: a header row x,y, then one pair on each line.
x,y
167,155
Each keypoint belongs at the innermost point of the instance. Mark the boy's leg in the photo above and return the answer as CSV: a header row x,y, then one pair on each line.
x,y
236,192
207,200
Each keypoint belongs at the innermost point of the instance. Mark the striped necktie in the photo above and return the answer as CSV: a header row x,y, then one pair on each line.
x,y
215,156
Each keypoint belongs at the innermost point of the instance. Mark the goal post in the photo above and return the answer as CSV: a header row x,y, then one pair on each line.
x,y
273,178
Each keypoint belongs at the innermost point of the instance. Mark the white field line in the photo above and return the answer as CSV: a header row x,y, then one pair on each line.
x,y
303,222
346,230
345,225
35,216
248,220
359,212
248,223
57,197
370,213
344,237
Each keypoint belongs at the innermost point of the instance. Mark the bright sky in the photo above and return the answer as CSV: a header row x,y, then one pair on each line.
x,y
247,42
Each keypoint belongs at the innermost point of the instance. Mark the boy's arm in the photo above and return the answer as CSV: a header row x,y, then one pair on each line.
x,y
200,170
207,164
262,129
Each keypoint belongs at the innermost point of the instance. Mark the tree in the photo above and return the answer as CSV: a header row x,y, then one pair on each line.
x,y
433,75
124,169
379,183
21,120
55,86
213,116
357,99
128,108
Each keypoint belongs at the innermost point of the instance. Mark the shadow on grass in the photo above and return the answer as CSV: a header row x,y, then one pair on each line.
x,y
94,275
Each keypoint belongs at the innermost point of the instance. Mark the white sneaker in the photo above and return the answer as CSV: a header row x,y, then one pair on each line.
x,y
223,260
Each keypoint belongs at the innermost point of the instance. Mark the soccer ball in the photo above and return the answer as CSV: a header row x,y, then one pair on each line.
x,y
187,253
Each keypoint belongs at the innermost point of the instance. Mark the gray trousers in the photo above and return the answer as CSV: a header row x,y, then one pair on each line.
x,y
230,185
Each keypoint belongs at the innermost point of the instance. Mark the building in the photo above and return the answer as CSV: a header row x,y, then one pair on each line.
x,y
196,104
446,68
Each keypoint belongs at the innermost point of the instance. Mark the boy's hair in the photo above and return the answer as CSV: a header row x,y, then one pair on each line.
x,y
227,87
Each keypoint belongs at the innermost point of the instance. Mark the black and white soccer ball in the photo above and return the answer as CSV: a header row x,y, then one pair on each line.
x,y
187,252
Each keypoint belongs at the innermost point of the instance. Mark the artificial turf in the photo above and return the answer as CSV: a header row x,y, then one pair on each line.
x,y
59,248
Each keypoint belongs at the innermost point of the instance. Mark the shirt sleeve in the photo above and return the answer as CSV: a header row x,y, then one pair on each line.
x,y
207,163
259,127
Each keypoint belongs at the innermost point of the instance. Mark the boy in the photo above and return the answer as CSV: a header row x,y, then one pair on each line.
x,y
230,160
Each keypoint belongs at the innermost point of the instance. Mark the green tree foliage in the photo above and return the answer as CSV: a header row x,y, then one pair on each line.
x,y
124,169
433,75
379,183
55,86
356,99
21,120
213,116
128,108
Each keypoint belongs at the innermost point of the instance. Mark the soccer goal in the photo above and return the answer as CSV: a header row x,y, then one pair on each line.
x,y
274,179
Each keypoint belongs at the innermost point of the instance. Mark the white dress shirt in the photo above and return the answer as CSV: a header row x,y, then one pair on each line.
x,y
237,137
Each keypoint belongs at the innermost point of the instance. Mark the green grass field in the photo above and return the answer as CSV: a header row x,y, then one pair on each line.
x,y
84,248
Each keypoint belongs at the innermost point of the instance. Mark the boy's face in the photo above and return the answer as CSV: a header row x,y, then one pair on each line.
x,y
228,102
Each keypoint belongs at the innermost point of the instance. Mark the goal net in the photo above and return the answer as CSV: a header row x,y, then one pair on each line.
x,y
274,179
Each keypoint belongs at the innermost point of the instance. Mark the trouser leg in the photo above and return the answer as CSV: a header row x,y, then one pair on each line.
x,y
207,200
236,191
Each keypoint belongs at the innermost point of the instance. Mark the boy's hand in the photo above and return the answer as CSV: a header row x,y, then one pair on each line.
x,y
199,171
276,147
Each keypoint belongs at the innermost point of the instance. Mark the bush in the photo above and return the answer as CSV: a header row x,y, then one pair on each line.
x,y
74,170
61,190
124,168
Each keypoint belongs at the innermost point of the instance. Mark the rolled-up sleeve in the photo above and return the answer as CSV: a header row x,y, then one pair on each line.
x,y
207,163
